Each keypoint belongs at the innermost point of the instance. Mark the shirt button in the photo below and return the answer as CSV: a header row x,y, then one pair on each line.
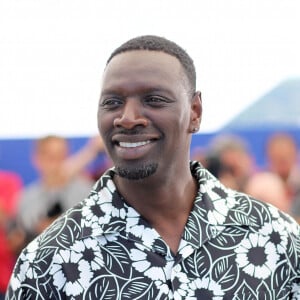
x,y
177,268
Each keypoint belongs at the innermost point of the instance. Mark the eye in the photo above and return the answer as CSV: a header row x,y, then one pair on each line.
x,y
111,103
156,101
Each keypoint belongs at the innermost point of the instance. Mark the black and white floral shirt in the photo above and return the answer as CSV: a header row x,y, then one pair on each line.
x,y
233,247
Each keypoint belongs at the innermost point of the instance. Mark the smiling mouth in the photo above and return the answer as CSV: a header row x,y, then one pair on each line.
x,y
133,145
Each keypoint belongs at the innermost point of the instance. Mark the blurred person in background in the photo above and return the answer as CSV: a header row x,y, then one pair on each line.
x,y
295,207
270,188
10,185
78,163
229,159
61,183
282,158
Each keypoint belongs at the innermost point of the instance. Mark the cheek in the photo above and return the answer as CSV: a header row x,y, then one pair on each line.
x,y
105,122
184,117
178,116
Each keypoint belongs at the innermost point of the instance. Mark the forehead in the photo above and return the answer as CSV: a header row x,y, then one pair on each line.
x,y
142,67
52,146
281,144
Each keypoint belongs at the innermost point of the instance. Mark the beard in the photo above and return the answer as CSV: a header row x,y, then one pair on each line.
x,y
136,172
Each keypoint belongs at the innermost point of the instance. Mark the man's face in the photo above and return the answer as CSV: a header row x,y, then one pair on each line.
x,y
50,157
282,157
145,113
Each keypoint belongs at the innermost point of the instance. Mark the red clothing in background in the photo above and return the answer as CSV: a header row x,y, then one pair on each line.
x,y
10,185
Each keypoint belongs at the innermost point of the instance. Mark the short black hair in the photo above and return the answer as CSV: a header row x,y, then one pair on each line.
x,y
157,43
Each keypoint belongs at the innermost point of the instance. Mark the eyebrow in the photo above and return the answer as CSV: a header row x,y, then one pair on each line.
x,y
150,90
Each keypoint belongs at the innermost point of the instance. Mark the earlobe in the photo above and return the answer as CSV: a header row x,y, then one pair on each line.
x,y
196,113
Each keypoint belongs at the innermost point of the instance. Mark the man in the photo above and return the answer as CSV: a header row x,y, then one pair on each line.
x,y
282,158
236,165
157,226
55,191
268,187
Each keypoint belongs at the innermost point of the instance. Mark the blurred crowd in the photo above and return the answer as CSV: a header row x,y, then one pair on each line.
x,y
63,181
25,211
278,182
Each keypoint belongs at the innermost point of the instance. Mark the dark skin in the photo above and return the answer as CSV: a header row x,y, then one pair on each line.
x,y
146,117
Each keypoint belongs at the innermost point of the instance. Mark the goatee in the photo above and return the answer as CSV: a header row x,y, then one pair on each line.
x,y
136,172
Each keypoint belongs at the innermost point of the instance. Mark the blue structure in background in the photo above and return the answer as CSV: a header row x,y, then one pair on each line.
x,y
276,110
15,155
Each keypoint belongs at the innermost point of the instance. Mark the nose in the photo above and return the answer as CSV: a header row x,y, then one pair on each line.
x,y
131,115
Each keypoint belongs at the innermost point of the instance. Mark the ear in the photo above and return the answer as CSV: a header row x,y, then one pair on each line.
x,y
196,112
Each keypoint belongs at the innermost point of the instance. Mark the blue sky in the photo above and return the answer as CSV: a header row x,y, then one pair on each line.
x,y
52,54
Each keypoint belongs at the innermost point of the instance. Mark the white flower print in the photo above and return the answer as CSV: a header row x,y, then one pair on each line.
x,y
104,239
205,289
277,234
257,256
111,186
292,226
149,235
164,291
145,263
132,224
96,211
296,291
91,251
116,212
71,273
26,266
274,212
146,234
185,249
221,205
133,218
183,281
95,228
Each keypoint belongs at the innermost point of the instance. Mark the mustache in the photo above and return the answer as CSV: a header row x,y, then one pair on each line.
x,y
133,131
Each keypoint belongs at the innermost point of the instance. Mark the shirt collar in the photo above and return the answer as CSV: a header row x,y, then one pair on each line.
x,y
216,207
105,211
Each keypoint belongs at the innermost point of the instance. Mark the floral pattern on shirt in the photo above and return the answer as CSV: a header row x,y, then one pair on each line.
x,y
233,247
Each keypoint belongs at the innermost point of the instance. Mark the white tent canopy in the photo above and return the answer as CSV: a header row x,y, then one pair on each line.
x,y
278,109
52,54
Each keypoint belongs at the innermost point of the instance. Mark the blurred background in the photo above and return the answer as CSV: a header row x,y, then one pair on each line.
x,y
52,54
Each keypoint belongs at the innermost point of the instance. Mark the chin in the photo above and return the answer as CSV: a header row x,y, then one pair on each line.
x,y
137,172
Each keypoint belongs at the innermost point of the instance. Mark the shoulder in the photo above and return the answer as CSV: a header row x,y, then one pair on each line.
x,y
233,208
75,223
38,255
266,220
64,231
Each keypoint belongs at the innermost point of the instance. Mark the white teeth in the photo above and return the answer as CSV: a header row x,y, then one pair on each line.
x,y
133,145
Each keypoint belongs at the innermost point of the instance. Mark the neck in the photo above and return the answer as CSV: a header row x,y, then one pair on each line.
x,y
166,206
158,191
